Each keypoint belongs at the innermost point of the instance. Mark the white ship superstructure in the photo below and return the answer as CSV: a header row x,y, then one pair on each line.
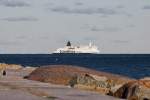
x,y
78,49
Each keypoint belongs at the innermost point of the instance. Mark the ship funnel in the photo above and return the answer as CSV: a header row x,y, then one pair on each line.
x,y
68,43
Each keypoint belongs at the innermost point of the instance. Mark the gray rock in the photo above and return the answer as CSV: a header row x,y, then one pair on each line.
x,y
93,82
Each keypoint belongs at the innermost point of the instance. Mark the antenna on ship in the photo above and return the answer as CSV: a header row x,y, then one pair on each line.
x,y
68,43
90,44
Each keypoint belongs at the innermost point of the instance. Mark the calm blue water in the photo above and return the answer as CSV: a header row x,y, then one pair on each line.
x,y
132,65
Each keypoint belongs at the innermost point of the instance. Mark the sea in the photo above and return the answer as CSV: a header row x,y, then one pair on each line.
x,y
130,65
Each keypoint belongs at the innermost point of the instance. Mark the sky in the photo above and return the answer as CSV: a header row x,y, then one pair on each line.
x,y
42,26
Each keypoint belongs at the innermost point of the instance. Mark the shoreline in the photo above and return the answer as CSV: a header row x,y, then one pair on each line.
x,y
137,64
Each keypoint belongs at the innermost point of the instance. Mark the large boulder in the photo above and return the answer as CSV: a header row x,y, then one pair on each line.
x,y
134,90
78,77
62,74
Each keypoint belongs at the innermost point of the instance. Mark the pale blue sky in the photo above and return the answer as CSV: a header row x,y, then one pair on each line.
x,y
41,26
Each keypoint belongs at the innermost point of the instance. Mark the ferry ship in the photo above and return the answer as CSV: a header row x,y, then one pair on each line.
x,y
69,48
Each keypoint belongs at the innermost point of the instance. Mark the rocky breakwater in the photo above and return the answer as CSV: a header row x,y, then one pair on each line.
x,y
135,90
79,77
